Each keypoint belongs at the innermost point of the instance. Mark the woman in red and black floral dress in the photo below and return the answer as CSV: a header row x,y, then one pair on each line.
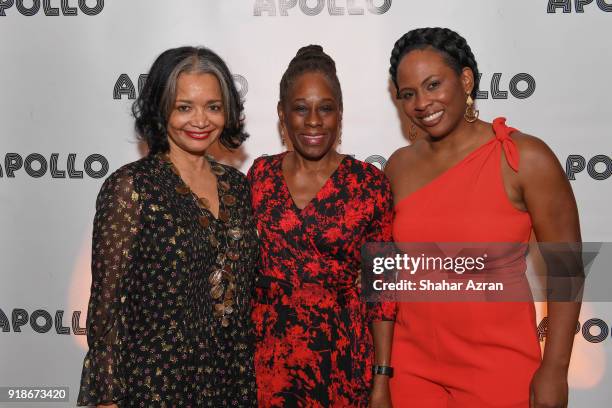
x,y
314,210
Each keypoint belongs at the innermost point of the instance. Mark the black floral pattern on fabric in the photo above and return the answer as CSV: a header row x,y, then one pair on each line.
x,y
154,340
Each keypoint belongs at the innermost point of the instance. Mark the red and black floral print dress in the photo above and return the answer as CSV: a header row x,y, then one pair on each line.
x,y
314,347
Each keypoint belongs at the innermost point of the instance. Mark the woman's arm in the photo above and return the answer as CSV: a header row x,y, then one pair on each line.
x,y
382,334
116,225
549,199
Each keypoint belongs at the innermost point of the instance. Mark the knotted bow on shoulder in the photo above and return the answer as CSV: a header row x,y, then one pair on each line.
x,y
502,134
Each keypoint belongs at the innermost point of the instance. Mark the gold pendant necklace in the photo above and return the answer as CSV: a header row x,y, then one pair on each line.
x,y
221,277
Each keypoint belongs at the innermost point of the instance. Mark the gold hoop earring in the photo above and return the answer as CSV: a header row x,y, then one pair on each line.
x,y
471,113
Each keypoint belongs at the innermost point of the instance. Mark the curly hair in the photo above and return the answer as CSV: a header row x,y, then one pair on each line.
x,y
153,106
310,58
453,47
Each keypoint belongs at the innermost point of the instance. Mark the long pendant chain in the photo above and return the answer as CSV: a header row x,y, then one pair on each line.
x,y
221,277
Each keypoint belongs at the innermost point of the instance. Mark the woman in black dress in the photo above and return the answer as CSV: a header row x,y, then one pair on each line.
x,y
174,252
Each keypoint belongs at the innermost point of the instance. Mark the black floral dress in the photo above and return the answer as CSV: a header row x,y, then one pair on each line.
x,y
154,337
314,348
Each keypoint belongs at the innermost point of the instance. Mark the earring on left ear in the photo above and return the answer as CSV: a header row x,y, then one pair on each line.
x,y
412,133
471,113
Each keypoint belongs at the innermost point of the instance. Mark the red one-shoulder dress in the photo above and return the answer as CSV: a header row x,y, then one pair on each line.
x,y
465,354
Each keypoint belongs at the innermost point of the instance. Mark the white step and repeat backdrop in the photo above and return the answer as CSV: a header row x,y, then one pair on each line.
x,y
70,69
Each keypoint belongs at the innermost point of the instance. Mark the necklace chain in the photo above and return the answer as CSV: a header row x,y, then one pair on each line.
x,y
221,277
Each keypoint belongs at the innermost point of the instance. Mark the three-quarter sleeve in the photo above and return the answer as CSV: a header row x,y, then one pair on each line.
x,y
381,230
114,246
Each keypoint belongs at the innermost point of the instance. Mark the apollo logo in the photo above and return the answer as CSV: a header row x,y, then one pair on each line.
x,y
41,321
599,167
593,330
36,166
520,86
315,7
52,7
125,86
566,5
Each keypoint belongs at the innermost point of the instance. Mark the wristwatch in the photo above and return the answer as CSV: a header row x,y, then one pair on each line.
x,y
382,370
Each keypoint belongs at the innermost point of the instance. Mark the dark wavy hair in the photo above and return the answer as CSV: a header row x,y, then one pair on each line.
x,y
310,58
154,104
453,47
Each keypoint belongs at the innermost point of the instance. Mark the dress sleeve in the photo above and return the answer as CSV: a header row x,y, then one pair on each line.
x,y
116,224
381,230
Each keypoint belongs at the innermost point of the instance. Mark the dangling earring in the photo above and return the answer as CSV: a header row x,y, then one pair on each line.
x,y
412,133
471,113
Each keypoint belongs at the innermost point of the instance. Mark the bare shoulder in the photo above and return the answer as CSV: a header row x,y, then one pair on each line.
x,y
535,155
398,160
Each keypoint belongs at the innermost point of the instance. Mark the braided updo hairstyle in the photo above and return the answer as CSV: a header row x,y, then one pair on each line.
x,y
310,58
453,47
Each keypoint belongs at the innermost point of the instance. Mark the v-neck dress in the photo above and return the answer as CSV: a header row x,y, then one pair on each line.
x,y
314,347
154,340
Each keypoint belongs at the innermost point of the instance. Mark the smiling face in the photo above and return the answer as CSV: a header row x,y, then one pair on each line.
x,y
433,95
197,117
311,116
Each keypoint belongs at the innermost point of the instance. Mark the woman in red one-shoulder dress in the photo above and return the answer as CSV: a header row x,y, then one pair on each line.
x,y
471,181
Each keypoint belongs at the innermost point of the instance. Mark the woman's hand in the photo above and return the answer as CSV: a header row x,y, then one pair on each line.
x,y
549,388
380,397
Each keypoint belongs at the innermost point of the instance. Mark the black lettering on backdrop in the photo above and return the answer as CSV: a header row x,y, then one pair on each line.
x,y
12,162
241,84
50,11
354,10
5,4
34,321
604,5
36,165
55,173
42,165
529,90
315,7
382,9
377,159
597,175
19,318
91,11
76,328
28,11
553,5
4,322
72,173
96,158
603,330
333,9
67,10
576,163
266,6
513,86
59,327
30,8
125,86
141,81
566,6
312,11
